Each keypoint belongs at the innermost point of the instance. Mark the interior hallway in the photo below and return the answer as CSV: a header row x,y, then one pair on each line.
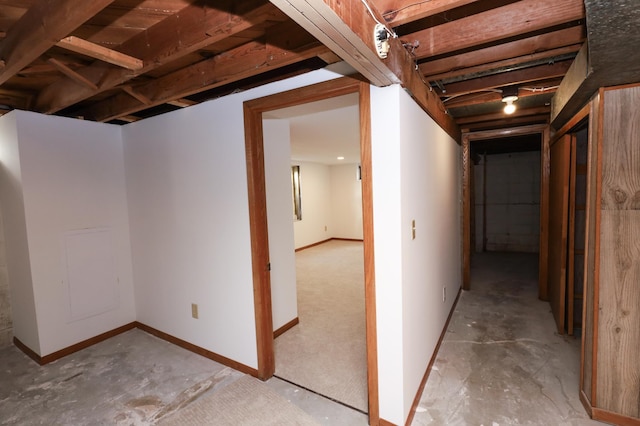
x,y
501,361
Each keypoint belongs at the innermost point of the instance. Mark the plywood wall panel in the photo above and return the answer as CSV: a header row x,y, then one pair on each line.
x,y
618,374
558,223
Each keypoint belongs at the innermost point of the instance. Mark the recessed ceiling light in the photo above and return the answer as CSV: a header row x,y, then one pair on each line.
x,y
340,158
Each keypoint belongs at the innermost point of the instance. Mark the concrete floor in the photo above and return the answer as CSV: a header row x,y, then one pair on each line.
x,y
501,363
131,379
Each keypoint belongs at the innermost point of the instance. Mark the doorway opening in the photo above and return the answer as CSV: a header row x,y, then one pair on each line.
x,y
254,140
326,279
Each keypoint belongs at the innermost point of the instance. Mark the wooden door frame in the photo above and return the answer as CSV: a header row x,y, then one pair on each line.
x,y
254,145
469,137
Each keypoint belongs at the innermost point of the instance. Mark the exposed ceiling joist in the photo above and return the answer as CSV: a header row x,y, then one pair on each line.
x,y
513,20
540,72
178,35
535,45
399,12
38,30
242,62
84,47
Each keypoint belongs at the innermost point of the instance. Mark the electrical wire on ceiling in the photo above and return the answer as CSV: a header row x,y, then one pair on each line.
x,y
539,89
467,94
393,12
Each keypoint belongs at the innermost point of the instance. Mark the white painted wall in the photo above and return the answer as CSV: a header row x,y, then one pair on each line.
x,y
416,176
315,193
331,198
188,208
346,202
20,284
277,155
72,179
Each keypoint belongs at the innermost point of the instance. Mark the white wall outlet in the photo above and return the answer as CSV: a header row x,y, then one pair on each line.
x,y
444,293
194,310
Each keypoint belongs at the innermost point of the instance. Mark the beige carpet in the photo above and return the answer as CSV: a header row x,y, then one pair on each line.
x,y
246,402
326,352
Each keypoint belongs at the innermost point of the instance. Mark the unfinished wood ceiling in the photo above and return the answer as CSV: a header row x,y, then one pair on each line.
x,y
124,60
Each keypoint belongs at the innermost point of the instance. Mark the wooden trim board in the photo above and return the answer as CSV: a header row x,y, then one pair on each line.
x,y
288,326
112,333
253,111
326,241
198,350
42,360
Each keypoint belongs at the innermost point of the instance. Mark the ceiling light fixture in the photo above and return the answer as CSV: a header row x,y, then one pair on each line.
x,y
340,158
509,108
509,96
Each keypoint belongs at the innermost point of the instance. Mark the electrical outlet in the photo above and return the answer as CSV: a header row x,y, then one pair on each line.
x,y
444,293
325,228
194,310
413,229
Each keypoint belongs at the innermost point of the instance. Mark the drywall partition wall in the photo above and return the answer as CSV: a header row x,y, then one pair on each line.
x,y
385,164
77,228
315,193
416,180
277,155
188,209
346,202
512,201
23,304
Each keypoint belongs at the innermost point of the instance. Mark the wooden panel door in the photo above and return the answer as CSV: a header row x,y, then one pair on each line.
x,y
558,228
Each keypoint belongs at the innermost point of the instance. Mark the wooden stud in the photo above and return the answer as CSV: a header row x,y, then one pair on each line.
x,y
72,74
134,94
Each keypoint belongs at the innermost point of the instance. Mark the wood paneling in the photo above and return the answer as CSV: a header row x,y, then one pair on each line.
x,y
589,331
543,263
558,223
618,375
571,261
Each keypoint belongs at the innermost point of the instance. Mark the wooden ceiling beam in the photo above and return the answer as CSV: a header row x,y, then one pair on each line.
x,y
347,28
514,49
518,77
507,122
38,30
512,20
84,47
183,33
400,12
502,65
245,61
520,112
